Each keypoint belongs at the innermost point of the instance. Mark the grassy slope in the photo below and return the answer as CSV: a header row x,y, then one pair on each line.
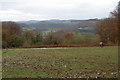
x,y
73,62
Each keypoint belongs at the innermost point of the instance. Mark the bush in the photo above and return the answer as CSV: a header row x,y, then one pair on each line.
x,y
15,41
51,39
37,39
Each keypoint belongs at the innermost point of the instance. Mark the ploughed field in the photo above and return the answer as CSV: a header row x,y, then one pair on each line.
x,y
82,62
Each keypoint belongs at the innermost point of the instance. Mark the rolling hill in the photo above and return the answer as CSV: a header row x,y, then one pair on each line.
x,y
84,26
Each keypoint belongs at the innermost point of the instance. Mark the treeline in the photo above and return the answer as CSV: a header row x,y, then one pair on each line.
x,y
107,32
13,36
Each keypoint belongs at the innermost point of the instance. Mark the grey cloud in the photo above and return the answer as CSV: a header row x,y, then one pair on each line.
x,y
61,9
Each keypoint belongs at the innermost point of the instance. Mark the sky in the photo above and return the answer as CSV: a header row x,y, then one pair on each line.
x,y
23,10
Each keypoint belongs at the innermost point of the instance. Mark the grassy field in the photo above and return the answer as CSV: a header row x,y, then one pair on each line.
x,y
81,62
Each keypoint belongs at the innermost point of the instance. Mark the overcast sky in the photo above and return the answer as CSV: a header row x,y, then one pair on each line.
x,y
17,10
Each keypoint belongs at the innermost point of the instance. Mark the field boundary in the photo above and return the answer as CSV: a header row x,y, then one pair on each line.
x,y
59,46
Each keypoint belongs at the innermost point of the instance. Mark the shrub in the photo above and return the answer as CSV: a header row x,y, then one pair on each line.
x,y
15,41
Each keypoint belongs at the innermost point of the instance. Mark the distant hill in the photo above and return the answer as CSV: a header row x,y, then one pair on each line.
x,y
84,27
67,25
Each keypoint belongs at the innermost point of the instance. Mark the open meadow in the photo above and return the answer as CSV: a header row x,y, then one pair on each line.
x,y
82,62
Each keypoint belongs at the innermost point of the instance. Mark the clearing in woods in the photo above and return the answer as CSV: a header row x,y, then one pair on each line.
x,y
80,62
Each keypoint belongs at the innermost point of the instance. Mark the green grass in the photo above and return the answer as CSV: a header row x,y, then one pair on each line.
x,y
28,28
73,62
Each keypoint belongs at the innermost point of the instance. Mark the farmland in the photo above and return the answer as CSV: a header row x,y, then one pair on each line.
x,y
79,62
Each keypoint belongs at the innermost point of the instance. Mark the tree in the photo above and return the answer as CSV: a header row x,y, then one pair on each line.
x,y
68,38
52,39
108,28
37,39
68,35
15,41
118,9
12,28
77,39
28,35
11,33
